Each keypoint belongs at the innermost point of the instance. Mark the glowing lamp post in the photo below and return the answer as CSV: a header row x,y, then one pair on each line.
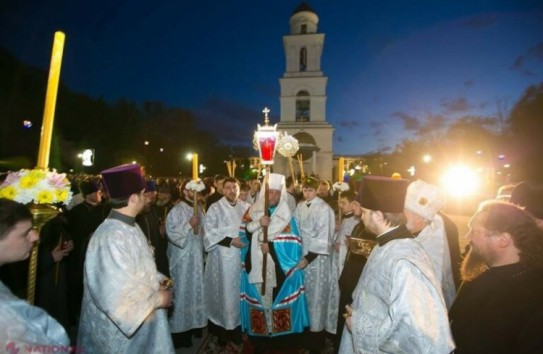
x,y
266,138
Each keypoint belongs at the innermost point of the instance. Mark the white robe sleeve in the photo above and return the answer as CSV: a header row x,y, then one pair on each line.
x,y
322,231
24,325
178,227
213,232
123,287
416,322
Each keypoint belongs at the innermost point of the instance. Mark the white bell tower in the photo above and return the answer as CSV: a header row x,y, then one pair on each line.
x,y
303,96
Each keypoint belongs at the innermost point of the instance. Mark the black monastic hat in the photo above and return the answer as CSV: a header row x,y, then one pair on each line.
x,y
88,187
383,194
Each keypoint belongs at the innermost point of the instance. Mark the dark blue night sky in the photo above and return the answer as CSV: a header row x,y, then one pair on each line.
x,y
394,67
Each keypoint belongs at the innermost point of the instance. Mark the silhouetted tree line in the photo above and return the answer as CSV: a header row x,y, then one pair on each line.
x,y
116,131
508,144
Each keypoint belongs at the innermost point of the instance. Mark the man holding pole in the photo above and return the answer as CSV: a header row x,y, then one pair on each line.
x,y
186,259
280,307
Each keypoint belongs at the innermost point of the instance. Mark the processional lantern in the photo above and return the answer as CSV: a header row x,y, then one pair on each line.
x,y
266,138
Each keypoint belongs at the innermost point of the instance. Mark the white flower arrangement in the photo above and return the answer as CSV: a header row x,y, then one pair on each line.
x,y
341,186
195,186
38,186
287,145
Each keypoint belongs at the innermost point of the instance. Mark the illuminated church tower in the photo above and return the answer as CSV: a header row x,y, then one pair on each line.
x,y
303,96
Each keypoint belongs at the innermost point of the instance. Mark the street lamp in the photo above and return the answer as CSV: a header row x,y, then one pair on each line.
x,y
426,158
87,157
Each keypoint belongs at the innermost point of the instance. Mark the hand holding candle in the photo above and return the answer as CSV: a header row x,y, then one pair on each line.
x,y
196,186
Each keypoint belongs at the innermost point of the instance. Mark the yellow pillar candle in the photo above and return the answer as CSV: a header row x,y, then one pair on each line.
x,y
341,169
229,168
194,166
51,100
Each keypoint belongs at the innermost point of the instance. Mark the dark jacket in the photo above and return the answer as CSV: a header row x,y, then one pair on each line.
x,y
499,312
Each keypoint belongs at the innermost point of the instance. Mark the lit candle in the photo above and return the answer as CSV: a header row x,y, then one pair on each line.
x,y
341,169
229,168
51,100
194,166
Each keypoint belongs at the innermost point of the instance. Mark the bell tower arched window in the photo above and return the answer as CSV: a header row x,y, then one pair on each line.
x,y
303,113
303,59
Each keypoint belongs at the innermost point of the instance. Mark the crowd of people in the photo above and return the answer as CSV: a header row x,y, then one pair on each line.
x,y
138,265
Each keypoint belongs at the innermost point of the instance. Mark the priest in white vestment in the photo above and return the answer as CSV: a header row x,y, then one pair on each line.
x,y
422,203
397,305
222,278
186,260
125,297
316,223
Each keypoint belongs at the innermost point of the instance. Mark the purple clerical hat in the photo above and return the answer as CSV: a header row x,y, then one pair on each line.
x,y
123,181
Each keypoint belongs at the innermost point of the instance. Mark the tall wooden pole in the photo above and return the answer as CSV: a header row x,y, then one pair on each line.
x,y
265,228
340,174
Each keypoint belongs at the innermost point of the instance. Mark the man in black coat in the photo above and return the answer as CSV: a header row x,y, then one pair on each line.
x,y
152,227
217,195
499,307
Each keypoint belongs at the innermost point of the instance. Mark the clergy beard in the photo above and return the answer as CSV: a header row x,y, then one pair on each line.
x,y
473,265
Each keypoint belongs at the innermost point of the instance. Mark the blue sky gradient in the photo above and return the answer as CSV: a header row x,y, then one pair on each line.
x,y
394,68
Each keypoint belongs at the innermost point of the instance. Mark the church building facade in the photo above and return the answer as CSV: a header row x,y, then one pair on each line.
x,y
303,96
